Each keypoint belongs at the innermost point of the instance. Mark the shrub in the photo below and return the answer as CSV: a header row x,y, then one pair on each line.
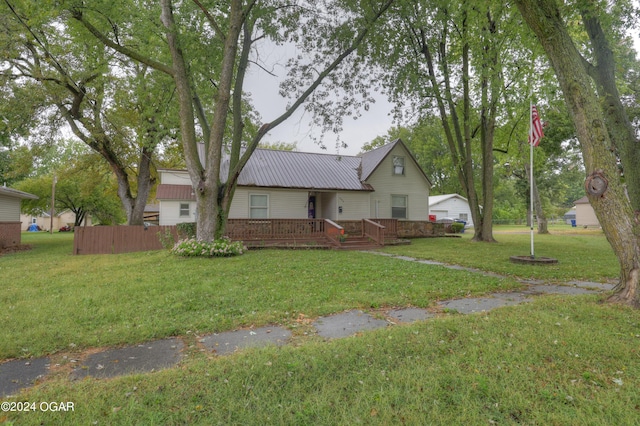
x,y
186,230
166,239
457,227
219,248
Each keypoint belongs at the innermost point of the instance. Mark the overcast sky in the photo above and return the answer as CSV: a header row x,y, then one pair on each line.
x,y
299,127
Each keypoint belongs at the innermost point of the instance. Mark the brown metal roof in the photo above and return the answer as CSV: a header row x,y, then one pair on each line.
x,y
291,169
300,170
371,159
174,192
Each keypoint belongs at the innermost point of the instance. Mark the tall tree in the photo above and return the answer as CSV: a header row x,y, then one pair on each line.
x,y
448,62
117,107
84,185
604,185
233,29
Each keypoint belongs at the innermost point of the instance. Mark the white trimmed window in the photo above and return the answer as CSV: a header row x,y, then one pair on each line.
x,y
259,206
398,166
399,206
464,216
185,210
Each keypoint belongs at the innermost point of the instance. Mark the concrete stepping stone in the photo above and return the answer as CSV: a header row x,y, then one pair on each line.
x,y
410,314
229,342
147,357
347,324
557,289
592,285
21,373
481,304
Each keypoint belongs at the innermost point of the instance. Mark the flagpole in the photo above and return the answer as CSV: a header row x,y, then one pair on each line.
x,y
533,256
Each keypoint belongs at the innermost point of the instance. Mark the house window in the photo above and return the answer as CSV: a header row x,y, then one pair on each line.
x,y
185,210
259,206
463,216
398,165
399,206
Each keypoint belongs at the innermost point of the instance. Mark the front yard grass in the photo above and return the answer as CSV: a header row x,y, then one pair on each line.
x,y
582,254
55,301
557,360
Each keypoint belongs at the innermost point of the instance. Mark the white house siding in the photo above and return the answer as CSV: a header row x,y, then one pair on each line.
x,y
283,204
171,212
355,206
454,207
9,209
412,184
328,205
175,177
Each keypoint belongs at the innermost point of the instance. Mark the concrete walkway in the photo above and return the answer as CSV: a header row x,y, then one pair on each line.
x,y
165,353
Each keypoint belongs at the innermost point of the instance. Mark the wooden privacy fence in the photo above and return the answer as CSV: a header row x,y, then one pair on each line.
x,y
119,239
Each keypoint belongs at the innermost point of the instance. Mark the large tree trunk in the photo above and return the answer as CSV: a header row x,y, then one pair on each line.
x,y
621,131
604,187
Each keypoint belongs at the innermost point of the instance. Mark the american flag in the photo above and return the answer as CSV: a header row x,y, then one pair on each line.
x,y
535,134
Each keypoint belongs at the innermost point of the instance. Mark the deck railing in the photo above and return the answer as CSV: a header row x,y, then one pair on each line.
x,y
373,230
273,229
390,226
333,231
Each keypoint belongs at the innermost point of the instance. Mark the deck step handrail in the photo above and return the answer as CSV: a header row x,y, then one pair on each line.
x,y
333,232
373,230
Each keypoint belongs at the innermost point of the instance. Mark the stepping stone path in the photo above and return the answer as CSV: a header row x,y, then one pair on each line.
x,y
346,324
160,354
147,357
231,341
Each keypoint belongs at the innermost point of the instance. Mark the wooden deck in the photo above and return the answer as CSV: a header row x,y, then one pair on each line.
x,y
306,233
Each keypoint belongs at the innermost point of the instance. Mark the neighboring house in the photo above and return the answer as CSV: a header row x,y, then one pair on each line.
x,y
450,205
10,200
585,215
43,220
384,183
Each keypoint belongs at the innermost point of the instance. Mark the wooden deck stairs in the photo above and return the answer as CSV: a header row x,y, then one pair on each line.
x,y
358,243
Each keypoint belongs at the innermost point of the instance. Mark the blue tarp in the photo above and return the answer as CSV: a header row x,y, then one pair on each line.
x,y
33,228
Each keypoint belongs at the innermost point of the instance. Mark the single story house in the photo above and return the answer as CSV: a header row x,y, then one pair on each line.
x,y
383,183
43,220
10,200
585,215
452,206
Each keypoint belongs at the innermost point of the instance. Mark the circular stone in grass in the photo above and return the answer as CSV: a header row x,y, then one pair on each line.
x,y
528,260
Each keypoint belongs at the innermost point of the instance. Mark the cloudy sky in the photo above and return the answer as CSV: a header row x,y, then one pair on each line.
x,y
299,128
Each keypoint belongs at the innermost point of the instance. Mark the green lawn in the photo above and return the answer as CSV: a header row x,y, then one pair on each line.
x,y
582,254
560,360
55,300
